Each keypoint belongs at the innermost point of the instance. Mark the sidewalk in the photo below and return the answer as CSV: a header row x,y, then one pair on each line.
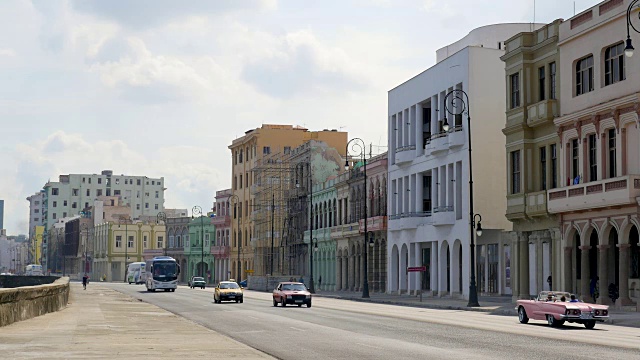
x,y
100,323
495,305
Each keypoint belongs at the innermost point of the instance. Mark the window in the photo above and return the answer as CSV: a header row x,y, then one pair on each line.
x,y
83,180
86,205
74,205
160,242
36,219
515,172
99,192
89,180
138,182
146,194
64,214
130,242
64,203
235,183
54,216
541,86
543,168
153,182
144,241
36,202
614,64
117,181
88,192
54,191
156,206
246,180
171,241
99,180
584,75
116,192
35,211
146,205
108,193
515,91
55,204
138,194
118,241
240,156
287,150
266,150
157,194
206,240
575,159
612,153
593,158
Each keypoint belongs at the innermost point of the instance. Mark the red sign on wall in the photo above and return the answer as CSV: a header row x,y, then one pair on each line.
x,y
416,268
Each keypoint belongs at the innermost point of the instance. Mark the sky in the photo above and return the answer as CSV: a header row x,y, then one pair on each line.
x,y
160,88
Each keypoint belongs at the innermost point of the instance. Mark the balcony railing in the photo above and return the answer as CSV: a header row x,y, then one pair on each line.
x,y
220,250
409,220
405,154
596,194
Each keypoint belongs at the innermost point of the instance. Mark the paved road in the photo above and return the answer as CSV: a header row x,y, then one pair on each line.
x,y
340,329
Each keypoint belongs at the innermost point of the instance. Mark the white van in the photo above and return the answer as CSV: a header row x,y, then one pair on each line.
x,y
136,273
33,270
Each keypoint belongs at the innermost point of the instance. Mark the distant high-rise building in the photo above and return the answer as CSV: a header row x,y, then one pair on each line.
x,y
1,214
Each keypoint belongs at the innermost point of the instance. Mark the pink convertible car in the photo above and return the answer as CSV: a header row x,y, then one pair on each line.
x,y
549,306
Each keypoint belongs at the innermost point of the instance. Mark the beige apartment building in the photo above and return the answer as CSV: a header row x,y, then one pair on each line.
x,y
596,201
247,153
532,149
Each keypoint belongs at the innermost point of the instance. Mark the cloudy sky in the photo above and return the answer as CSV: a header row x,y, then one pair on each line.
x,y
161,88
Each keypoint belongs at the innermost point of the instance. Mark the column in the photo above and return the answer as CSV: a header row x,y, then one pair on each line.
x,y
419,192
523,269
623,290
434,114
434,268
338,273
584,274
568,266
418,262
417,124
603,275
344,272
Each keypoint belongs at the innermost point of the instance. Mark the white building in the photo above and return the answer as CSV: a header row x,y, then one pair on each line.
x,y
429,170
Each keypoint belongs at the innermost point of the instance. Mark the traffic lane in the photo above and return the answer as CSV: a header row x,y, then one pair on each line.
x,y
618,336
327,331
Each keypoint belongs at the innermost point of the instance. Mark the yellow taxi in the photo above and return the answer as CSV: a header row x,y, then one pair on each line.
x,y
228,291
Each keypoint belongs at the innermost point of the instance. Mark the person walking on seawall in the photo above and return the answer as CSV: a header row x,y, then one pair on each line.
x,y
85,280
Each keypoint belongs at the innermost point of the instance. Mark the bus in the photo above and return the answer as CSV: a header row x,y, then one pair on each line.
x,y
162,274
33,270
136,273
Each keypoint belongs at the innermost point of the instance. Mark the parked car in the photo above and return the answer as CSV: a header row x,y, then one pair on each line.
x,y
228,291
548,306
197,281
294,293
243,283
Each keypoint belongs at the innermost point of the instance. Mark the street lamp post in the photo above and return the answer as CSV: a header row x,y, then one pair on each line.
x,y
197,210
162,216
86,229
456,102
126,243
358,147
236,203
312,288
628,50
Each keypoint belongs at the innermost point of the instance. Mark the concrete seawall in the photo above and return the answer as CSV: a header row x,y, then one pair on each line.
x,y
26,302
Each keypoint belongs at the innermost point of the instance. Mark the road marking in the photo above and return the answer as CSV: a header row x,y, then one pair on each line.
x,y
371,346
253,317
296,329
251,332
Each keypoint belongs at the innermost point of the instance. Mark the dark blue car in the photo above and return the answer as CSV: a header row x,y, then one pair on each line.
x,y
243,283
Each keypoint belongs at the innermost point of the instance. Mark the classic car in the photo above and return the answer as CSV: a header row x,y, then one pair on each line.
x,y
228,290
549,306
197,281
294,293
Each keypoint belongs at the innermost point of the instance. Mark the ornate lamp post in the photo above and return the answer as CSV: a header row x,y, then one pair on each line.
x,y
312,288
197,211
162,216
456,103
359,149
235,200
628,50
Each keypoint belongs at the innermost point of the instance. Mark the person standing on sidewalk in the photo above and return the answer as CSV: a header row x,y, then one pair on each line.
x,y
85,280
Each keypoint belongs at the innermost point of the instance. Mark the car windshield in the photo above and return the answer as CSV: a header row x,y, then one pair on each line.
x,y
229,286
294,287
198,279
165,270
553,295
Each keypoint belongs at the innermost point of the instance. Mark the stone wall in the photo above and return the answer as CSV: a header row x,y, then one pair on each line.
x,y
26,302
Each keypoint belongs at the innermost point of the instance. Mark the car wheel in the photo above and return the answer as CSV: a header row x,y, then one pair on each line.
x,y
237,301
241,300
590,324
284,303
299,305
275,303
551,320
203,288
522,315
309,304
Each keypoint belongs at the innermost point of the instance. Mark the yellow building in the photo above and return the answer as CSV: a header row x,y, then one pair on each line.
x,y
119,244
247,152
36,245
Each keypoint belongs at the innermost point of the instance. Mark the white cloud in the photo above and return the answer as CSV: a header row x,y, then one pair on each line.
x,y
7,52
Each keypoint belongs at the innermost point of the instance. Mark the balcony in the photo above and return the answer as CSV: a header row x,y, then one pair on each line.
x,y
443,215
541,112
341,231
376,223
521,206
409,220
456,137
536,204
221,221
618,191
515,206
439,143
221,251
405,154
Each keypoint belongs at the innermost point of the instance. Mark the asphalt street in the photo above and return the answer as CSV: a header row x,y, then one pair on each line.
x,y
342,329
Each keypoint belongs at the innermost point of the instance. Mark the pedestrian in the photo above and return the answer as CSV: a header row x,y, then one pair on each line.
x,y
301,279
573,298
593,288
291,279
85,280
549,281
320,281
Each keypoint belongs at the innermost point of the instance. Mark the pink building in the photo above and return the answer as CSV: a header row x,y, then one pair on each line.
x,y
220,248
599,155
